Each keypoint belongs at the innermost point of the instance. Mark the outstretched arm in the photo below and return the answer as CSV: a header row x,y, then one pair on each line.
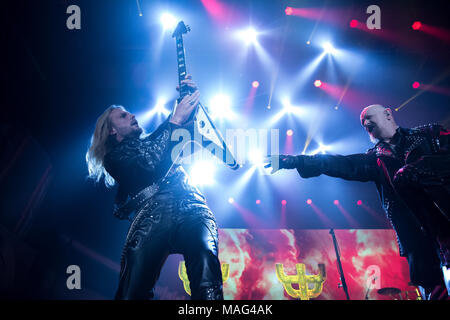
x,y
358,167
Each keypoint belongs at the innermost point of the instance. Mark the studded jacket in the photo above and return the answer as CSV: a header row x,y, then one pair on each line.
x,y
379,164
136,163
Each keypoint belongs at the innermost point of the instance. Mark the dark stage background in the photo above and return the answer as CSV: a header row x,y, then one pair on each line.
x,y
57,81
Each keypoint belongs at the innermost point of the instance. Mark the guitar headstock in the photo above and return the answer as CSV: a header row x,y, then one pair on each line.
x,y
180,29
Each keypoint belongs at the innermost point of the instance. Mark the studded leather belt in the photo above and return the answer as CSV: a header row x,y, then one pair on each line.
x,y
124,211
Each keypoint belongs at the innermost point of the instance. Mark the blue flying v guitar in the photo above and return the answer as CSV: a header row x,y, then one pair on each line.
x,y
201,120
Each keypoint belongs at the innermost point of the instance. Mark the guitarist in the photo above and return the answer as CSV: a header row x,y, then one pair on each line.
x,y
171,216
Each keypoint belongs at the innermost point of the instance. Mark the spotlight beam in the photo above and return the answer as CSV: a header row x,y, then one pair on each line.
x,y
139,8
304,75
316,24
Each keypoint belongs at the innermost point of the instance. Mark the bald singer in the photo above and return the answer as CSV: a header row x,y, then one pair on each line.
x,y
411,170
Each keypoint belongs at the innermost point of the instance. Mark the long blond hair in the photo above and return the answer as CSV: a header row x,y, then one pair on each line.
x,y
101,144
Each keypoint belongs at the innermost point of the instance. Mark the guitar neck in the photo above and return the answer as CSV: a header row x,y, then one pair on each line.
x,y
181,60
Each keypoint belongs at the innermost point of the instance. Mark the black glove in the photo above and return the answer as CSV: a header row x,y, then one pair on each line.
x,y
277,162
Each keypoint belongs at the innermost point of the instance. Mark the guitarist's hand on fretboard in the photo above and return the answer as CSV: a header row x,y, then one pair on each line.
x,y
187,84
184,109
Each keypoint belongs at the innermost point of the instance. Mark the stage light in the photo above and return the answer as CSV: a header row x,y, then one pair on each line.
x,y
168,21
336,202
256,157
289,132
328,48
336,107
230,200
309,201
255,84
258,201
308,42
353,23
318,83
416,85
416,25
359,202
249,35
220,107
283,202
202,173
160,107
321,149
289,108
288,11
286,104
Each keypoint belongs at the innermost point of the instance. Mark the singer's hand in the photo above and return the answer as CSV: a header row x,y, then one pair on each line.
x,y
277,162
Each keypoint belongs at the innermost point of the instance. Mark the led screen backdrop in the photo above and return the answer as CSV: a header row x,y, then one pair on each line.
x,y
249,258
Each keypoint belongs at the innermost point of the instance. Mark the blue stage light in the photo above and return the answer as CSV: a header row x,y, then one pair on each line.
x,y
168,21
328,48
160,107
249,35
202,173
220,107
256,157
321,149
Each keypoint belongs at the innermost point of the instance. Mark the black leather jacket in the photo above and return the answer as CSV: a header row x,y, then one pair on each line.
x,y
136,163
379,164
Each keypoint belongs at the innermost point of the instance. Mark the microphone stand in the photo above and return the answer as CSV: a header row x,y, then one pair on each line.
x,y
338,260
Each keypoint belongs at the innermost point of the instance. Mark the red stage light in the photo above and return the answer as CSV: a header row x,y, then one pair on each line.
x,y
336,202
283,202
353,23
289,132
416,25
309,201
318,83
288,11
416,84
359,202
255,84
258,201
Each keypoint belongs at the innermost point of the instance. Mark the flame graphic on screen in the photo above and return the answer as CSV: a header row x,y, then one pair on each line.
x,y
252,255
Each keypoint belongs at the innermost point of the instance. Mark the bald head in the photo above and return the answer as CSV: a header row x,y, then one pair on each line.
x,y
378,122
372,109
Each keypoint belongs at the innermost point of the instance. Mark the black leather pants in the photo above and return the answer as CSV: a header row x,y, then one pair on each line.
x,y
171,223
